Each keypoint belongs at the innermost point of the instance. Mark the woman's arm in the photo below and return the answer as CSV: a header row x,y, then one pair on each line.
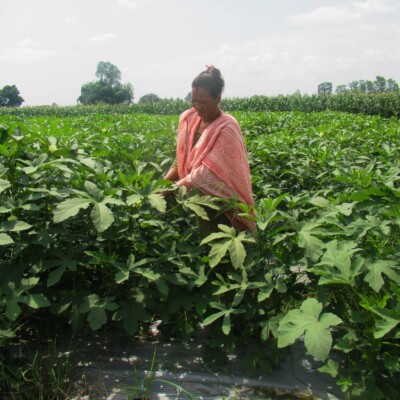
x,y
172,174
208,183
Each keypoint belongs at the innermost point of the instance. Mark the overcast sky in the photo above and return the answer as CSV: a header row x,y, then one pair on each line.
x,y
49,48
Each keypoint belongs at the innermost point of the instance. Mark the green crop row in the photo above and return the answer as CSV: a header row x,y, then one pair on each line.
x,y
386,105
87,240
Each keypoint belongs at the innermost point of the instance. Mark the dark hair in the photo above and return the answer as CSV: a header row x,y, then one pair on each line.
x,y
210,79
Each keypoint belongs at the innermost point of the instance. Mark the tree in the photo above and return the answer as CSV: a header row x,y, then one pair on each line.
x,y
108,73
325,88
341,89
108,89
392,86
9,97
363,86
354,86
380,84
149,98
369,87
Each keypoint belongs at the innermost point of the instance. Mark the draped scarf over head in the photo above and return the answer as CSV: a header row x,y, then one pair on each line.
x,y
218,163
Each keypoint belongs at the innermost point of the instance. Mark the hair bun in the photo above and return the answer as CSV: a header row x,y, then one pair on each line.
x,y
210,79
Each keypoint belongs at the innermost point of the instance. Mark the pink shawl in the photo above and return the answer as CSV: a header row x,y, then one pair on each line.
x,y
218,164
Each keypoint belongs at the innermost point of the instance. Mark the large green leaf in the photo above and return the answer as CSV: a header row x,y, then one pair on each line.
x,y
213,317
162,286
331,368
5,239
135,199
384,326
14,226
130,266
96,309
102,217
4,185
226,324
13,310
390,319
217,252
237,252
362,226
226,288
198,210
37,300
93,190
158,202
313,246
337,264
315,326
122,275
214,236
228,239
97,318
377,268
69,208
56,275
148,273
265,293
15,295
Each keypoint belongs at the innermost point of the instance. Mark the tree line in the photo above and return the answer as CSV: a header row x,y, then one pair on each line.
x,y
108,89
378,86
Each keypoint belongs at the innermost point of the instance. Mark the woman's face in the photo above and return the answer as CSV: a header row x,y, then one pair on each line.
x,y
206,106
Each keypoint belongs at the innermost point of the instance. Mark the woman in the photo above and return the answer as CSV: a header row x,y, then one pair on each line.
x,y
211,154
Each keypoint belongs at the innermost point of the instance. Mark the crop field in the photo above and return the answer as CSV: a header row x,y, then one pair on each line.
x,y
88,242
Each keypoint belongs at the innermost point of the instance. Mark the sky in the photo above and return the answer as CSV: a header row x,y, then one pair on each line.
x,y
50,48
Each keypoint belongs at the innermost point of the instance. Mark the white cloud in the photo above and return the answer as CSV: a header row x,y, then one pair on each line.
x,y
102,38
27,42
324,15
312,61
395,28
375,6
71,20
25,50
131,3
343,63
283,62
352,12
128,3
373,55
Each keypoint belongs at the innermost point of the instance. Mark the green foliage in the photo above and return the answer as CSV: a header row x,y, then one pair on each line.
x,y
385,104
308,321
228,240
330,209
380,85
325,88
87,238
108,73
141,386
101,92
43,375
10,96
149,98
108,89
